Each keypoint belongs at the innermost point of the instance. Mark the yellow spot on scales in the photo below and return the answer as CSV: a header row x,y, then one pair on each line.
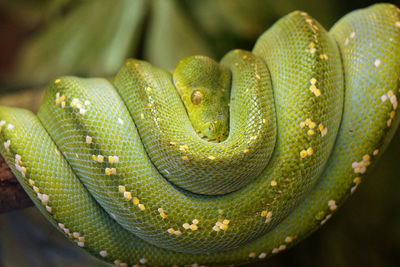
x,y
127,195
113,159
366,157
103,253
221,224
361,166
326,219
275,250
172,231
110,171
7,145
216,228
89,139
262,255
268,215
324,56
135,201
315,90
332,205
182,148
162,213
356,182
100,158
177,232
311,125
288,239
263,213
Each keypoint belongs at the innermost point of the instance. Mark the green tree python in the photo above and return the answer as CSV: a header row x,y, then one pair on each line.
x,y
215,163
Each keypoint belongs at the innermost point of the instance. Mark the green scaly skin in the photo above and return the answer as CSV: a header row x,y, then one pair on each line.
x,y
111,165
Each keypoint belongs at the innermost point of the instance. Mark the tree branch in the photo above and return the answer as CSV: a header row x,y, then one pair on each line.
x,y
12,195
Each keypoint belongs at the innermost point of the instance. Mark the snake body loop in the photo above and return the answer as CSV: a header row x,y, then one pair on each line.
x,y
123,169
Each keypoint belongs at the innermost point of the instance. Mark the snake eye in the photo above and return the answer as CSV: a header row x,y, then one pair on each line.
x,y
196,97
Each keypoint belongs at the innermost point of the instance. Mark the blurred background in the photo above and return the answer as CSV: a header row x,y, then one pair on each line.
x,y
42,39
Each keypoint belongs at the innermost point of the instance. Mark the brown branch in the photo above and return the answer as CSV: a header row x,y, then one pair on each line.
x,y
12,195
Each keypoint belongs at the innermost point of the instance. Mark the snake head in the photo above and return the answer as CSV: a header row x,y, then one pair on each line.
x,y
204,87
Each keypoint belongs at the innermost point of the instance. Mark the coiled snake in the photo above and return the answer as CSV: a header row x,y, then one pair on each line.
x,y
216,163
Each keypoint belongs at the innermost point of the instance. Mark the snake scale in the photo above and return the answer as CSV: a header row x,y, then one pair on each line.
x,y
215,163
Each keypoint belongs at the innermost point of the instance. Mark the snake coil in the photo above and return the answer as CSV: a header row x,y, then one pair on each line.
x,y
124,171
